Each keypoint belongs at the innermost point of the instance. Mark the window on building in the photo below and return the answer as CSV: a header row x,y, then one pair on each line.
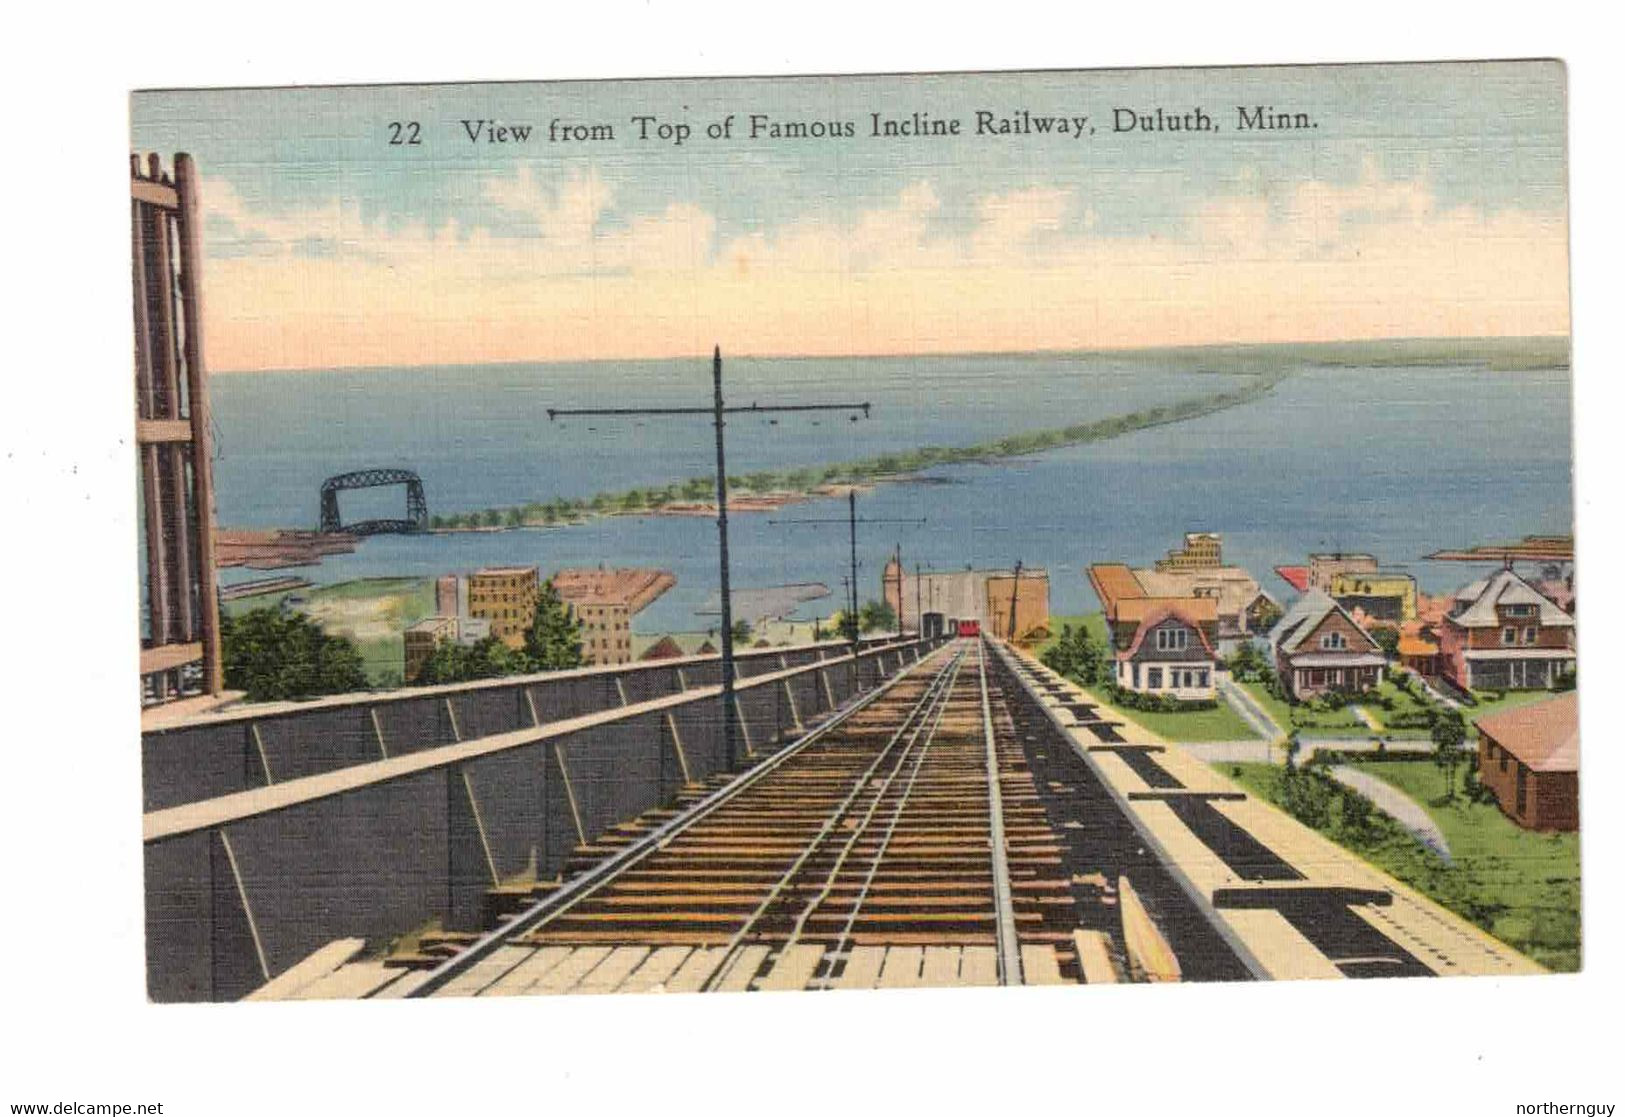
x,y
1333,642
1153,678
1529,634
1201,678
1172,639
1509,635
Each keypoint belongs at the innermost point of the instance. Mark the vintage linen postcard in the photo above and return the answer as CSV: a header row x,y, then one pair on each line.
x,y
855,532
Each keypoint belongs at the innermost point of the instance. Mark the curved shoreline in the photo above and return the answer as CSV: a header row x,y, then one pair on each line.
x,y
772,489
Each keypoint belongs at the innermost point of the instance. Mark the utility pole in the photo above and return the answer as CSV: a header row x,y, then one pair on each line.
x,y
1015,590
717,410
919,598
897,560
851,521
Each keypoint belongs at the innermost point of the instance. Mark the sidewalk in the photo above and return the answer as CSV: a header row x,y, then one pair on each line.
x,y
1249,710
1396,804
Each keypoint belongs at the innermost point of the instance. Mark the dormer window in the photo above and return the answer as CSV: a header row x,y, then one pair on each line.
x,y
1333,642
1172,639
1518,610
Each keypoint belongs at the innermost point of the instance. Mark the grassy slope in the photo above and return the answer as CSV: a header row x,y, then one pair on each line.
x,y
1221,724
396,603
1508,700
1521,887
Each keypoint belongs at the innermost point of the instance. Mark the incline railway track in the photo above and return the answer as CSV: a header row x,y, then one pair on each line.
x,y
975,820
902,843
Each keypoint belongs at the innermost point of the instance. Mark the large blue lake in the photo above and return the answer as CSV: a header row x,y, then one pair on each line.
x,y
1396,460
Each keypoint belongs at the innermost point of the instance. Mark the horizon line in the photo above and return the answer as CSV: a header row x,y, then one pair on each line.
x,y
1565,336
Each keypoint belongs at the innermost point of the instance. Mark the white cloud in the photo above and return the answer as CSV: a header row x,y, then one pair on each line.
x,y
1301,259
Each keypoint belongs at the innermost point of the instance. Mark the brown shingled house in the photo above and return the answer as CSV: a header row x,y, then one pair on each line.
x,y
1530,758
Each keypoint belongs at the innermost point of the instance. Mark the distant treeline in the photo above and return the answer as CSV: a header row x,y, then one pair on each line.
x,y
803,480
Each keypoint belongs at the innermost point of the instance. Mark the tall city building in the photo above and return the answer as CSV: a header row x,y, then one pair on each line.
x,y
505,596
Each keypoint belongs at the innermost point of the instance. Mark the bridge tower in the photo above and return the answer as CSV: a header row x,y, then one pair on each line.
x,y
180,621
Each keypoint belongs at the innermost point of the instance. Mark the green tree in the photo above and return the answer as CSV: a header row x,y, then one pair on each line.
x,y
1077,655
271,656
454,662
845,625
1248,663
1265,616
1058,657
553,640
741,633
1387,639
877,616
1449,733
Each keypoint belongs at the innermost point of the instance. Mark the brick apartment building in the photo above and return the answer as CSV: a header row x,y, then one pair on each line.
x,y
505,596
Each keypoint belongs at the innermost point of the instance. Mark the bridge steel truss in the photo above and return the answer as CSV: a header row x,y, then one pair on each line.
x,y
417,509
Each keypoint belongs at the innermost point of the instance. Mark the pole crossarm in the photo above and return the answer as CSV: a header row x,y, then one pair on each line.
x,y
715,412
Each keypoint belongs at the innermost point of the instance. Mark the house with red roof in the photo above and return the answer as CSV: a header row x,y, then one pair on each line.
x,y
1169,654
1529,757
1502,633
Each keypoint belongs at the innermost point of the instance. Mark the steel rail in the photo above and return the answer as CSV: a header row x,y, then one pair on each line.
x,y
828,961
1009,947
584,886
928,727
915,719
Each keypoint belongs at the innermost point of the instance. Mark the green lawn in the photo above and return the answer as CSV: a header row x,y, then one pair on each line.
x,y
1344,722
1220,724
1495,702
1520,886
1404,704
1341,722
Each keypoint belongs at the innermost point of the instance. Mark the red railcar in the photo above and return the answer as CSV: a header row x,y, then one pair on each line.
x,y
970,628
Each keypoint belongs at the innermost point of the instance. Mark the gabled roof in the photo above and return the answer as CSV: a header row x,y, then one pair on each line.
x,y
1157,617
1544,736
1303,617
1504,587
